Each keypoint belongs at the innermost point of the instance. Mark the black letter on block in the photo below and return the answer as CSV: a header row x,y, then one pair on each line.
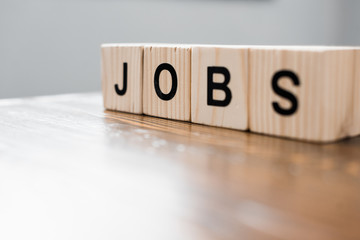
x,y
219,86
122,91
171,94
284,93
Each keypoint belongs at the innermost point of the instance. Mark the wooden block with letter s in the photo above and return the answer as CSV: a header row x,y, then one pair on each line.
x,y
219,86
167,81
302,92
122,67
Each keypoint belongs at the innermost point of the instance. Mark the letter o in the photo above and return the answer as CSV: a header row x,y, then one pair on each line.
x,y
171,94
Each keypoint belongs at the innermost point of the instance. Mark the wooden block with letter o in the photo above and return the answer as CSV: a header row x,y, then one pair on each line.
x,y
302,92
219,86
167,81
122,66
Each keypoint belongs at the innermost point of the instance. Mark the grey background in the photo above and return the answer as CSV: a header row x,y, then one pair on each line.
x,y
53,46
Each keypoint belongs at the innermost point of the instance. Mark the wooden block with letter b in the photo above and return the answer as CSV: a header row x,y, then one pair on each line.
x,y
167,81
219,86
122,67
302,92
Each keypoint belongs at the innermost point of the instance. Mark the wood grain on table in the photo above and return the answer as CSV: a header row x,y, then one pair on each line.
x,y
70,170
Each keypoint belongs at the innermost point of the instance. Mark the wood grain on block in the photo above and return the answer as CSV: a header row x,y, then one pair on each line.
x,y
122,67
356,107
167,81
219,86
302,92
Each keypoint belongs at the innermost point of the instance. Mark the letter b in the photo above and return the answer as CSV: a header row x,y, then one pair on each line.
x,y
218,86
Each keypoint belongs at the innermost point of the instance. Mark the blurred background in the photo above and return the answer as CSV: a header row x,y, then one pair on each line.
x,y
53,46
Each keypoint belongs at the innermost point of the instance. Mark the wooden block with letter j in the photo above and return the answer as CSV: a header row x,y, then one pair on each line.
x,y
302,92
167,81
219,86
121,73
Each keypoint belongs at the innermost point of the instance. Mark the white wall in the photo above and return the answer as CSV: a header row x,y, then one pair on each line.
x,y
52,46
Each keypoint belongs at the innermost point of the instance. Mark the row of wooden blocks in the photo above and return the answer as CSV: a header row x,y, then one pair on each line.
x,y
307,93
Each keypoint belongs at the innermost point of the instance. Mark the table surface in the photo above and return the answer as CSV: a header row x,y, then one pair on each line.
x,y
70,170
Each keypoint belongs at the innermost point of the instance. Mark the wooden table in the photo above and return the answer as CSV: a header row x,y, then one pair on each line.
x,y
70,170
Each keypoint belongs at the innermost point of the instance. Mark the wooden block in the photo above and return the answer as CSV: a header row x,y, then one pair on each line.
x,y
355,130
167,81
219,86
302,92
122,66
